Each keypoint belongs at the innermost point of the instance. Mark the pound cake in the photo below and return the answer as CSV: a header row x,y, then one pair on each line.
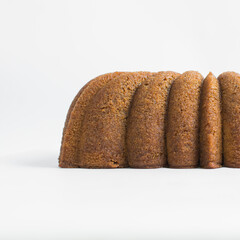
x,y
152,120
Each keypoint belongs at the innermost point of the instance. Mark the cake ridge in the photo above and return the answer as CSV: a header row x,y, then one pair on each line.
x,y
210,123
183,121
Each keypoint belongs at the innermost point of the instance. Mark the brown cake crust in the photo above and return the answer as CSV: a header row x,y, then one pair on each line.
x,y
230,89
102,143
73,123
146,122
210,126
183,121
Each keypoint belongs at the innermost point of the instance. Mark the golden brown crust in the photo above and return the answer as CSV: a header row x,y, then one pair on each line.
x,y
146,122
230,89
210,126
122,116
71,131
102,144
183,121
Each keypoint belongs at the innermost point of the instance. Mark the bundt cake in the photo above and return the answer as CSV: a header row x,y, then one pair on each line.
x,y
151,120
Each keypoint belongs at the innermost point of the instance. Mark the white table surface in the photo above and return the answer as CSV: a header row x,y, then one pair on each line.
x,y
41,201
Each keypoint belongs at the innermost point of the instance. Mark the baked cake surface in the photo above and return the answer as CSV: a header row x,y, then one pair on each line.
x,y
151,120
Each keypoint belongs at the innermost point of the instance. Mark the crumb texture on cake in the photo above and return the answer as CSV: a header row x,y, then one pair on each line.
x,y
152,120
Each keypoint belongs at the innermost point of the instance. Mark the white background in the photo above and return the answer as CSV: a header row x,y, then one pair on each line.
x,y
48,51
